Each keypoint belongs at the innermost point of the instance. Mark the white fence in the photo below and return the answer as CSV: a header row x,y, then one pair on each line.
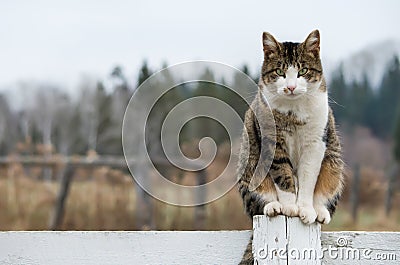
x,y
282,240
277,240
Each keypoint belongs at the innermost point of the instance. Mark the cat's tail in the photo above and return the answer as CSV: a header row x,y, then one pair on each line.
x,y
247,258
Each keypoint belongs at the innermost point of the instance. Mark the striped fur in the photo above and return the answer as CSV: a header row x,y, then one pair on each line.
x,y
279,192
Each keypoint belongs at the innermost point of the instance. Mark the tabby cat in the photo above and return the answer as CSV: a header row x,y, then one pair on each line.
x,y
305,178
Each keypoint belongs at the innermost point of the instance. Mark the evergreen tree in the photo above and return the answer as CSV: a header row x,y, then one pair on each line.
x,y
338,95
246,87
203,127
65,133
119,78
119,99
386,105
170,98
8,129
358,103
245,69
109,121
95,110
397,139
144,73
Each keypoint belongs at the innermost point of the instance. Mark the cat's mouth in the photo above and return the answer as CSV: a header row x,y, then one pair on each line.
x,y
291,93
293,96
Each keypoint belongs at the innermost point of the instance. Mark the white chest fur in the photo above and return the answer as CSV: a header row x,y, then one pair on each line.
x,y
313,110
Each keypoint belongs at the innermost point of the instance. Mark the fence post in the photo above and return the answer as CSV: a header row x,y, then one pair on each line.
x,y
199,210
59,208
144,202
355,190
389,192
285,240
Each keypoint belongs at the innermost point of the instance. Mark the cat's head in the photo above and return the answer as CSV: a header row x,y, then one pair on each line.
x,y
290,69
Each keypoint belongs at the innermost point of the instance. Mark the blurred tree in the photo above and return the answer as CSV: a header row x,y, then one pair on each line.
x,y
203,126
24,124
94,112
245,69
397,139
171,96
144,73
235,100
120,80
65,125
121,93
359,102
395,74
8,127
393,175
43,110
338,90
386,104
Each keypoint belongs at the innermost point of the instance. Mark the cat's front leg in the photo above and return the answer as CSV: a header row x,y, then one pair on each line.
x,y
309,167
329,184
282,175
288,202
281,172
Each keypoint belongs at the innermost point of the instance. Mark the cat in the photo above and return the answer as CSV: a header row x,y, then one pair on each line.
x,y
305,178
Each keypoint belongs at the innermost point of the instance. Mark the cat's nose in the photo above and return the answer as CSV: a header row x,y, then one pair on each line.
x,y
291,88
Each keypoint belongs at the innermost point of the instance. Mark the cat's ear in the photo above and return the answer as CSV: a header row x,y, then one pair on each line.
x,y
270,44
312,43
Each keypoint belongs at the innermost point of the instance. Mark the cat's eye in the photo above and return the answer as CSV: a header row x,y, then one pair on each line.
x,y
279,72
303,71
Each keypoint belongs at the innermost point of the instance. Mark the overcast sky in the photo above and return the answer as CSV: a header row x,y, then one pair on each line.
x,y
61,40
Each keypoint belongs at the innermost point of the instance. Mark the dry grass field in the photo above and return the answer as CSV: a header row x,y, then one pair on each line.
x,y
106,200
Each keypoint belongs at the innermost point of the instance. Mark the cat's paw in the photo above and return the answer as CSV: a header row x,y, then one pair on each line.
x,y
290,209
307,214
323,215
273,208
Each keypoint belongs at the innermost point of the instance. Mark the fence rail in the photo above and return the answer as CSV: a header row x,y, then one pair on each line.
x,y
77,161
283,240
68,164
275,235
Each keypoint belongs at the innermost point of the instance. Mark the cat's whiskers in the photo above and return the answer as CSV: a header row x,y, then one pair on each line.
x,y
331,100
271,97
250,95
